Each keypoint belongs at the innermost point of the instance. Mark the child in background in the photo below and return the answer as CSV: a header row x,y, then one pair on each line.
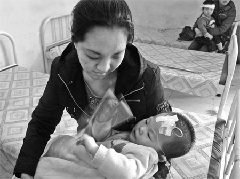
x,y
201,26
132,154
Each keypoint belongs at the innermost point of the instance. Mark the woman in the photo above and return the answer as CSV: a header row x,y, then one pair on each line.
x,y
99,57
224,15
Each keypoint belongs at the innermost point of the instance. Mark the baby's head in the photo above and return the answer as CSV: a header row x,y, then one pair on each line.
x,y
208,7
170,134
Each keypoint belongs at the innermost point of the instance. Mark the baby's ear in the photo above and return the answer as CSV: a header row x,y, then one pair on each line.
x,y
162,158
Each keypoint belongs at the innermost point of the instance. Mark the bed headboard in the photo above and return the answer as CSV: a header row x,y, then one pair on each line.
x,y
54,32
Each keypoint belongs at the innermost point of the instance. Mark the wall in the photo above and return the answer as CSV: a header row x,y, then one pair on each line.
x,y
165,13
22,19
168,13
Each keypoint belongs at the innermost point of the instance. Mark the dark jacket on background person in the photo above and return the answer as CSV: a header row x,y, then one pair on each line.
x,y
138,81
224,19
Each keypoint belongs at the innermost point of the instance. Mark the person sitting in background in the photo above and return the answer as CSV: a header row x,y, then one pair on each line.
x,y
132,154
202,24
224,15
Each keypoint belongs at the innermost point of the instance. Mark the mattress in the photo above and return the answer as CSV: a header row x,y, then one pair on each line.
x,y
203,69
164,37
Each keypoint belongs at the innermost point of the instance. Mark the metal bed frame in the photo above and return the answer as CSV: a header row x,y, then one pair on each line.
x,y
15,62
54,31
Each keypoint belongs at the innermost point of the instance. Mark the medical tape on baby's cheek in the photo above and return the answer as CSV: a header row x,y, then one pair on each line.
x,y
167,124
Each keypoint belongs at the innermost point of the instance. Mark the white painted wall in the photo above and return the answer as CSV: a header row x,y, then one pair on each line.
x,y
165,13
22,19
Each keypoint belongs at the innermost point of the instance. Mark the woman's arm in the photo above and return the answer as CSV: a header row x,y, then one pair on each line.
x,y
155,99
44,120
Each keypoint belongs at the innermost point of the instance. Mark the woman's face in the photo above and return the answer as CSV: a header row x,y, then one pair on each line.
x,y
102,51
224,2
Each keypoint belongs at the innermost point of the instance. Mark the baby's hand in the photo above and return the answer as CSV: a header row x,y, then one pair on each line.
x,y
89,143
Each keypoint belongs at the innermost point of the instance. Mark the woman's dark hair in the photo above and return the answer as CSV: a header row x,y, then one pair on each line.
x,y
88,14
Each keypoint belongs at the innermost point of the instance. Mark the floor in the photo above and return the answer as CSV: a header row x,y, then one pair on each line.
x,y
204,105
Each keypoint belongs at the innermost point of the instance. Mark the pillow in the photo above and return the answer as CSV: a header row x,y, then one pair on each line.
x,y
55,51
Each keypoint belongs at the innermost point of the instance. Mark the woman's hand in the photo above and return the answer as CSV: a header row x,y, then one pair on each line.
x,y
89,143
26,176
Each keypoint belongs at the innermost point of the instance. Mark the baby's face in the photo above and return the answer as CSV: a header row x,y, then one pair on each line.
x,y
146,132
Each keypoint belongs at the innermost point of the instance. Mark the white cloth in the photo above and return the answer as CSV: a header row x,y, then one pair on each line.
x,y
122,160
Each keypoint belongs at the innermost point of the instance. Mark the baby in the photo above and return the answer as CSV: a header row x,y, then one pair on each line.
x,y
128,154
204,22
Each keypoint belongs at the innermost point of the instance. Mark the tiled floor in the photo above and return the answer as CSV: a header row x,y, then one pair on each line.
x,y
203,105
